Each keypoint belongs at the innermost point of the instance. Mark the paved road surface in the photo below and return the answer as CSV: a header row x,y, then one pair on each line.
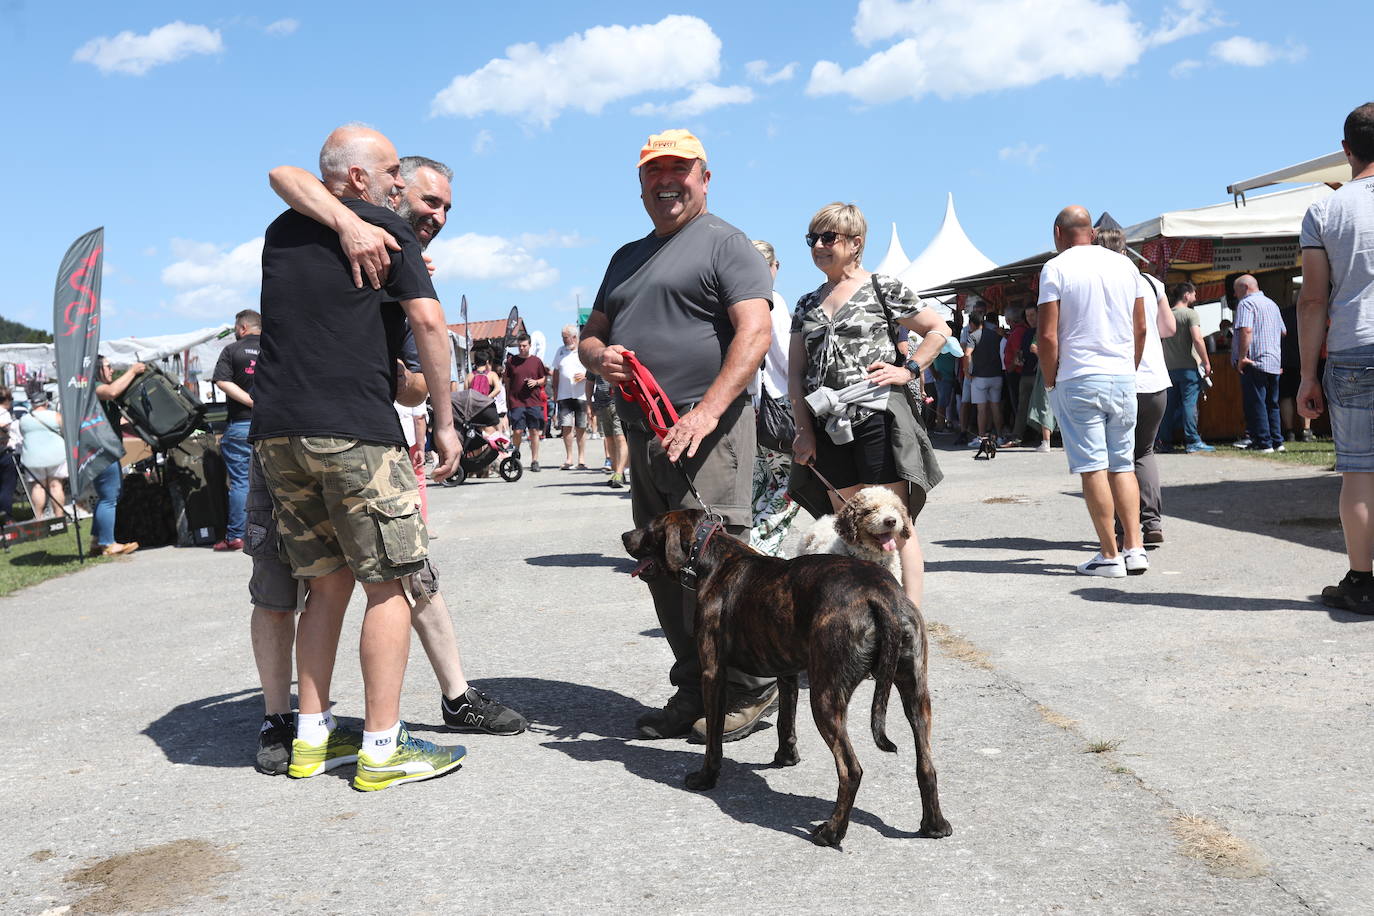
x,y
1230,700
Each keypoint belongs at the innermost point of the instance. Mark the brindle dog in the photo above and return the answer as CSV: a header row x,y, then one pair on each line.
x,y
836,618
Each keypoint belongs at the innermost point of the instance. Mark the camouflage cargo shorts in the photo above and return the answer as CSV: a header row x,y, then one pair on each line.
x,y
341,501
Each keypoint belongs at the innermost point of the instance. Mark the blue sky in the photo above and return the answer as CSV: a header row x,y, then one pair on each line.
x,y
160,122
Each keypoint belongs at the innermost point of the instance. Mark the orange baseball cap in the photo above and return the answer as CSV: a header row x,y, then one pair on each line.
x,y
674,142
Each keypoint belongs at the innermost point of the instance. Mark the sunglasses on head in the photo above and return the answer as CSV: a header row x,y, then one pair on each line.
x,y
825,238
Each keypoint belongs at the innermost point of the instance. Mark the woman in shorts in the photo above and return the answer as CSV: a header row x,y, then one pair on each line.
x,y
44,455
840,338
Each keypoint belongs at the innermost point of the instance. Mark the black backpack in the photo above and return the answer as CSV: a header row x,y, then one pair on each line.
x,y
159,410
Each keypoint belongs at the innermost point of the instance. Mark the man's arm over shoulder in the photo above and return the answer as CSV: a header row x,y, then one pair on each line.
x,y
364,244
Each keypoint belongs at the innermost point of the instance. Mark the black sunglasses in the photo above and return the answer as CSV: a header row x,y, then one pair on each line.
x,y
825,238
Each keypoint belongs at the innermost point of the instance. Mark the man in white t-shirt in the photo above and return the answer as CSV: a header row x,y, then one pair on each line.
x,y
1338,283
1091,338
570,392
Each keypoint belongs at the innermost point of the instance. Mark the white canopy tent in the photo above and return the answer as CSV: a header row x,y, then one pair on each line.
x,y
949,255
205,346
1277,214
896,260
1333,168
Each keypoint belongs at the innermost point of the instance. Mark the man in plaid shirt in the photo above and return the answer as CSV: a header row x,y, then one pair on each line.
x,y
1255,352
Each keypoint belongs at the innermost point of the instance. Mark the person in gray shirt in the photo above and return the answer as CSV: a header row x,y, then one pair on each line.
x,y
1337,241
689,301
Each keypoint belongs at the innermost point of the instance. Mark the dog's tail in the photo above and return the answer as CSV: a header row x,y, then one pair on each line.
x,y
884,670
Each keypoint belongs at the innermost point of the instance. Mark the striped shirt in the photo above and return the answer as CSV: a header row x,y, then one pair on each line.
x,y
1259,313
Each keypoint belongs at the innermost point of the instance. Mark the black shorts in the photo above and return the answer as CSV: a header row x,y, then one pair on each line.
x,y
867,460
1289,382
530,418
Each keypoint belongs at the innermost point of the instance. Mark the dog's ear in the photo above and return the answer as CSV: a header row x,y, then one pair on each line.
x,y
847,523
676,545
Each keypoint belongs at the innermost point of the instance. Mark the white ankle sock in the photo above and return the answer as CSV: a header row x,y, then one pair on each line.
x,y
381,745
314,727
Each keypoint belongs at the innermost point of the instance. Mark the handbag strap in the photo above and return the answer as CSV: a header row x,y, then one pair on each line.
x,y
891,322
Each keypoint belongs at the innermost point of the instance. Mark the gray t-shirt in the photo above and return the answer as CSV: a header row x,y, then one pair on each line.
x,y
1343,225
1178,350
668,300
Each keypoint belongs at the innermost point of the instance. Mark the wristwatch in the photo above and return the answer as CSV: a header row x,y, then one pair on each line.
x,y
914,368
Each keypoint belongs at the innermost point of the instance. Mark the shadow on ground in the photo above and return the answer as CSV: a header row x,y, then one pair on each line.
x,y
575,560
1027,565
1013,543
217,731
1192,601
1302,510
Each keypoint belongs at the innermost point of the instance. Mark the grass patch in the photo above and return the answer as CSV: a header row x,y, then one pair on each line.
x,y
1320,453
957,647
1057,719
1220,851
1102,747
37,561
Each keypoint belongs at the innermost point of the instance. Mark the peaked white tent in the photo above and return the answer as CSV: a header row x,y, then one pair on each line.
x,y
896,260
949,255
1333,168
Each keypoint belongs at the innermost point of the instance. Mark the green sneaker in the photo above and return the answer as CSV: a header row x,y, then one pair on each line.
x,y
340,748
412,761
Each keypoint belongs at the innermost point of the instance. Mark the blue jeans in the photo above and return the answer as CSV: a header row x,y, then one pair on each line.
x,y
107,486
1096,415
236,452
1182,408
1349,386
1260,391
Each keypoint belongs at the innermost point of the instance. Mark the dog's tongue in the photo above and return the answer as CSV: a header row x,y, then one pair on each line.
x,y
643,565
888,542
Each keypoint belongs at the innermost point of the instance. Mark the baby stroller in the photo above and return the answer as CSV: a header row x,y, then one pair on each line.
x,y
473,410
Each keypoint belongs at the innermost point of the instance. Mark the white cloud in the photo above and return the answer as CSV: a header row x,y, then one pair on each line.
x,y
1188,18
137,54
702,99
490,257
1022,152
1184,68
553,239
214,281
1247,52
953,48
758,72
482,142
282,27
586,71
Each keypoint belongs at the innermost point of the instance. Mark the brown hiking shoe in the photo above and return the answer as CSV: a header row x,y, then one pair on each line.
x,y
742,716
672,721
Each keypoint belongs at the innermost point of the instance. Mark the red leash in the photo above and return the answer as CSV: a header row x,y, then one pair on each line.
x,y
643,389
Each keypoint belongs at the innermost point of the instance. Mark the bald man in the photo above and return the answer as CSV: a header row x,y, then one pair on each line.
x,y
1091,337
334,456
1256,351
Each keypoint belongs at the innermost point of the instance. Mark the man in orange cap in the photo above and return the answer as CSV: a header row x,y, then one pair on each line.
x,y
691,301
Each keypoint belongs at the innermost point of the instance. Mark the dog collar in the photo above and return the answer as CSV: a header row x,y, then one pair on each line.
x,y
709,525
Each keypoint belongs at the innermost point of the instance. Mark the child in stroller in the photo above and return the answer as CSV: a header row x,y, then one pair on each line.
x,y
473,410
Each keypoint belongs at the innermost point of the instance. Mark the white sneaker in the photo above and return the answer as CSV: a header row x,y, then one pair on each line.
x,y
1115,568
1043,447
1136,561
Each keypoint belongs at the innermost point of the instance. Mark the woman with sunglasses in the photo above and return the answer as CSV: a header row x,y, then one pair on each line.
x,y
841,341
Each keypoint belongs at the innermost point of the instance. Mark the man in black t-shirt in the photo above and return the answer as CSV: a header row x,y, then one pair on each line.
x,y
333,454
691,301
234,376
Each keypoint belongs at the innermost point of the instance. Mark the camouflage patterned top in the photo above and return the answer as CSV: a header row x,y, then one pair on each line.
x,y
839,350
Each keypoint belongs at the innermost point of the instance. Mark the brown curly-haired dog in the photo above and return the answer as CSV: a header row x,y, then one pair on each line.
x,y
870,526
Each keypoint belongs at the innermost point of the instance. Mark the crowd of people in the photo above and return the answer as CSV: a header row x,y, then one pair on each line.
x,y
327,439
